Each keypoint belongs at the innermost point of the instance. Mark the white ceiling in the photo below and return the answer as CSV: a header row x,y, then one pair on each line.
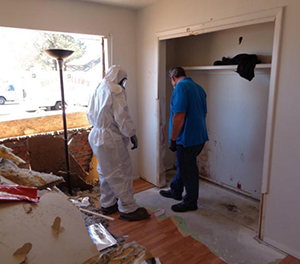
x,y
133,4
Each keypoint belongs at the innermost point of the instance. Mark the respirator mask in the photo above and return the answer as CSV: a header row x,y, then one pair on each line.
x,y
123,82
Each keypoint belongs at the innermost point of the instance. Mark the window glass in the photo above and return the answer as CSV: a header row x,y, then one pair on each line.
x,y
30,82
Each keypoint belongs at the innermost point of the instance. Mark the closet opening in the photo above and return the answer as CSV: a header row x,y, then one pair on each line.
x,y
234,162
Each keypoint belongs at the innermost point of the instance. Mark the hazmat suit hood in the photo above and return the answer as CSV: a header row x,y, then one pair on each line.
x,y
115,74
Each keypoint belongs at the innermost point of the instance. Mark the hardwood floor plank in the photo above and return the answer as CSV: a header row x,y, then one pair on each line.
x,y
290,260
141,185
164,241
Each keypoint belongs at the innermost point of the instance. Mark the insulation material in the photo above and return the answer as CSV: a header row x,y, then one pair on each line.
x,y
6,153
44,234
130,253
93,176
26,177
101,237
6,181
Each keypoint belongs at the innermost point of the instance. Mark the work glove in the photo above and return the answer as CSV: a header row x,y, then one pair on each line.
x,y
172,145
134,141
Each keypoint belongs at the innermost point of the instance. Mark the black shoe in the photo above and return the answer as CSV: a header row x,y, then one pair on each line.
x,y
168,194
181,207
109,210
139,214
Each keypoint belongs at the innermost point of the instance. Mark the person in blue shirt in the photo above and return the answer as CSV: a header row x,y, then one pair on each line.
x,y
187,136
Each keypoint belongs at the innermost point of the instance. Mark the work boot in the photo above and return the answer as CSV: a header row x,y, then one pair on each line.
x,y
181,208
139,214
168,194
109,210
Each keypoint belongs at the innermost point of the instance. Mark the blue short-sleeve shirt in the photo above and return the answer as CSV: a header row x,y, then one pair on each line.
x,y
189,97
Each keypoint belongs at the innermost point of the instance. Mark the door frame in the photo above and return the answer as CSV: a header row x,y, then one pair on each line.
x,y
271,15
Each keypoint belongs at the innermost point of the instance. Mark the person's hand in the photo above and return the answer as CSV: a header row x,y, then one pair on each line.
x,y
134,141
172,145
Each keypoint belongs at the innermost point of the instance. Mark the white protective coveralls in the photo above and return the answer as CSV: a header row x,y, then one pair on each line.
x,y
109,138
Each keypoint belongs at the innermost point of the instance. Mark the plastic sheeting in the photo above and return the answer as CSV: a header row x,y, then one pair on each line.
x,y
10,193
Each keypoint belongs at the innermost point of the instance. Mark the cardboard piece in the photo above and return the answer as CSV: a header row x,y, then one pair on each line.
x,y
17,227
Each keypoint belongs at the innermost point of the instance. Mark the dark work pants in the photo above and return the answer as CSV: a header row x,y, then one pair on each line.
x,y
187,175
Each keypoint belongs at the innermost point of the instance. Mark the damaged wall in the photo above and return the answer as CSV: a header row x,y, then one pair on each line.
x,y
79,147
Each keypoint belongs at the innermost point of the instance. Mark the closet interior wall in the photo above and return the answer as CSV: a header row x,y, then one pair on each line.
x,y
237,108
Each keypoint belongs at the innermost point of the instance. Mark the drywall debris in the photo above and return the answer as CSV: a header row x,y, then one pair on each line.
x,y
76,181
18,227
97,214
159,212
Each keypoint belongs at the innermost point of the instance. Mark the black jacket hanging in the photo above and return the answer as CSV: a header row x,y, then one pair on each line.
x,y
246,64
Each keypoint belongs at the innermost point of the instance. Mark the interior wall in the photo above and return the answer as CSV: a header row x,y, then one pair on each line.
x,y
237,108
236,123
282,212
86,18
204,49
170,62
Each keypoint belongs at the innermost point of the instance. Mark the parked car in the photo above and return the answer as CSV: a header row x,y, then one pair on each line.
x,y
8,93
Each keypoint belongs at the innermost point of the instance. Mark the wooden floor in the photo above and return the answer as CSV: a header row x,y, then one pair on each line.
x,y
141,185
163,240
290,260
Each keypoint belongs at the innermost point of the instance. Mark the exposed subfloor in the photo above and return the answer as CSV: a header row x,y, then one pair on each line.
x,y
225,222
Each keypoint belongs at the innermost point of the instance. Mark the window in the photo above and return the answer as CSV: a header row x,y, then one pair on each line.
x,y
29,79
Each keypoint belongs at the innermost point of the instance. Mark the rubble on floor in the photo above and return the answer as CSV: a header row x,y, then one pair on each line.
x,y
41,231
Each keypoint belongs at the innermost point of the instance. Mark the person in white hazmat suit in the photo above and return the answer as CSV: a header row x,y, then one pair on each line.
x,y
109,138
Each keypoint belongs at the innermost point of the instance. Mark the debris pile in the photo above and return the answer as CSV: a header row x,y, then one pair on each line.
x,y
41,231
43,219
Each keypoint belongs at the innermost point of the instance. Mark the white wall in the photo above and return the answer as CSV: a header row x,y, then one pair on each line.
x,y
88,18
237,108
282,215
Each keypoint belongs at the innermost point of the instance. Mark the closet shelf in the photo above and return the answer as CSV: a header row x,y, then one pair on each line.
x,y
223,67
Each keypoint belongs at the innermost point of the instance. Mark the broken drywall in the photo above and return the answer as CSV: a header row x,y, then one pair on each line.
x,y
52,232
